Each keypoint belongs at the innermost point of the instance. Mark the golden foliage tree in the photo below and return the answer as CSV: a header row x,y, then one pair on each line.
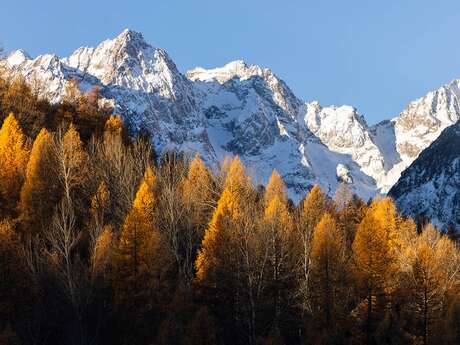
x,y
348,217
40,191
113,126
275,189
72,161
311,210
216,245
384,211
102,254
215,248
374,262
277,237
432,276
13,157
198,191
139,240
329,273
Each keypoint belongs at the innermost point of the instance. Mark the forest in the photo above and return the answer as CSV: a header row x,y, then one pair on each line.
x,y
103,241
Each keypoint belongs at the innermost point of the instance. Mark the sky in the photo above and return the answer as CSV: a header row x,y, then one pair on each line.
x,y
374,55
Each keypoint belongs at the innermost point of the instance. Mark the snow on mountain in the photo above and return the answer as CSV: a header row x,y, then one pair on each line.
x,y
344,131
430,187
416,128
246,110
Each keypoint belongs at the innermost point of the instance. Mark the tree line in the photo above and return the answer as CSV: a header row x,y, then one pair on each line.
x,y
103,242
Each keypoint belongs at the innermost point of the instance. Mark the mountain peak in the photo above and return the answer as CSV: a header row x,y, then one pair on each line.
x,y
234,69
129,41
17,57
130,36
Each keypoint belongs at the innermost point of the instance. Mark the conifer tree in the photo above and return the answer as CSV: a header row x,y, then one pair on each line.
x,y
433,274
137,246
13,157
40,191
374,263
228,262
198,193
102,253
311,210
329,274
385,212
278,239
215,252
230,210
275,189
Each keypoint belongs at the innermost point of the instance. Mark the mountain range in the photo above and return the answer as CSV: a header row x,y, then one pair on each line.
x,y
247,110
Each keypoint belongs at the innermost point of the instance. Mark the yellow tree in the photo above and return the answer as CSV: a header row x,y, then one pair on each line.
x,y
13,158
277,237
311,210
275,189
329,274
216,245
433,276
229,211
385,212
348,217
102,253
40,191
374,262
114,126
100,233
137,248
100,204
72,161
198,193
228,262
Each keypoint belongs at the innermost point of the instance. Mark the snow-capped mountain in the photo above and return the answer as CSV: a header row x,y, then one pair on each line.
x,y
246,110
416,128
430,187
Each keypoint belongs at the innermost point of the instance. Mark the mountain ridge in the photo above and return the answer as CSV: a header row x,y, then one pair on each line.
x,y
246,110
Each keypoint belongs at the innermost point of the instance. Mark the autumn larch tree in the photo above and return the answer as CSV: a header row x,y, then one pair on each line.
x,y
230,209
13,157
40,192
278,237
311,210
226,264
136,247
329,275
432,275
374,263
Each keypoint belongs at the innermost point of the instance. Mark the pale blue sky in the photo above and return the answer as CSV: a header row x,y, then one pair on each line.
x,y
374,55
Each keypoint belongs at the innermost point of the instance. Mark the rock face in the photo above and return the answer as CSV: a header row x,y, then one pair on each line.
x,y
430,187
246,110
